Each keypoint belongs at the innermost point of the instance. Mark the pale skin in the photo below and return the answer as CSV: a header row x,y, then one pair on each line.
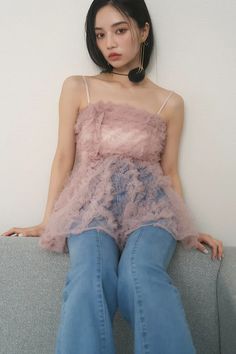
x,y
124,39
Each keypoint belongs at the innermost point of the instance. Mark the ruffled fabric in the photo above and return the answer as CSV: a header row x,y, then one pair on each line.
x,y
117,183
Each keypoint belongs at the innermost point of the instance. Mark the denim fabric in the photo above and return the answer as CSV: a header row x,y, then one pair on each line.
x,y
102,279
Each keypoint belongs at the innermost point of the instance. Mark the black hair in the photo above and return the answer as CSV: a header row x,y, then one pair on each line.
x,y
136,9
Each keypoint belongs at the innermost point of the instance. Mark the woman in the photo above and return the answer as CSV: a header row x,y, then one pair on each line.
x,y
115,201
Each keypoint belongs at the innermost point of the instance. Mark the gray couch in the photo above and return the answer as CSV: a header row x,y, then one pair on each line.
x,y
32,281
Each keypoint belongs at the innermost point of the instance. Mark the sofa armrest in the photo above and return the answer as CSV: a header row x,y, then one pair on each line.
x,y
226,287
195,275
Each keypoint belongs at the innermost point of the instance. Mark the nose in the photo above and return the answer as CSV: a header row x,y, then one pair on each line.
x,y
110,41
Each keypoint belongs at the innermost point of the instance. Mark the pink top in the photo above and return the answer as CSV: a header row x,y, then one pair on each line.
x,y
117,183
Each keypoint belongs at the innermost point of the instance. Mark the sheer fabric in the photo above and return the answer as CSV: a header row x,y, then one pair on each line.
x,y
117,183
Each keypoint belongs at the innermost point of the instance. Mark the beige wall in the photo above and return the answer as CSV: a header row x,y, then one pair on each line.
x,y
43,42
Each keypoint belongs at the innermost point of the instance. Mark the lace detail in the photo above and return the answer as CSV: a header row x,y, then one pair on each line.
x,y
117,183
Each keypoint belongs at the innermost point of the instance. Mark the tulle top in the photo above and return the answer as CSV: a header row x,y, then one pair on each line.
x,y
117,183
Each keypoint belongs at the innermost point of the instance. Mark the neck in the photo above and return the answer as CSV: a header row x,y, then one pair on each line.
x,y
123,79
113,72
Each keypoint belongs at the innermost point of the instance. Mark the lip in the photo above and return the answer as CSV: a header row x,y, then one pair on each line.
x,y
114,55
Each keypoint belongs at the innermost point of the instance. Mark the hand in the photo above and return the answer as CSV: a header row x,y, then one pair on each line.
x,y
34,231
217,245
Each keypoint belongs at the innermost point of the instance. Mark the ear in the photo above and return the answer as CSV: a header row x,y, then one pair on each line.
x,y
145,32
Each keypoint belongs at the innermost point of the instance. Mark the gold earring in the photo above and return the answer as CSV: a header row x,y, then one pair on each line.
x,y
138,74
140,68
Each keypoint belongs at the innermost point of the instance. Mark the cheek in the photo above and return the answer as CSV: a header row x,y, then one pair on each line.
x,y
100,46
126,44
127,39
130,43
130,48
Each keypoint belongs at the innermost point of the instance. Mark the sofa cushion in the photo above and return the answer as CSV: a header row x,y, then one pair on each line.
x,y
32,281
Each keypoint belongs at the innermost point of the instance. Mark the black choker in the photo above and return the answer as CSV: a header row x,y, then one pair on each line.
x,y
135,75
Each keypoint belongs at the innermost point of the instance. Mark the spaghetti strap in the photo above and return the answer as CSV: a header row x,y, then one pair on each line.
x,y
87,90
165,101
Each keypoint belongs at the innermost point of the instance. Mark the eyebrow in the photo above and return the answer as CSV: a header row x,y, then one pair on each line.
x,y
114,24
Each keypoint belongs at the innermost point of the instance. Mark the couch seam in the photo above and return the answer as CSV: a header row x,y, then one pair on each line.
x,y
218,312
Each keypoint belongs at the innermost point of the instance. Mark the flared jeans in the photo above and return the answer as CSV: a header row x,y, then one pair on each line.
x,y
102,279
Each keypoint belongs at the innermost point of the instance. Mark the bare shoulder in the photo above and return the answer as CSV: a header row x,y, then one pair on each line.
x,y
175,108
73,82
175,99
175,103
73,86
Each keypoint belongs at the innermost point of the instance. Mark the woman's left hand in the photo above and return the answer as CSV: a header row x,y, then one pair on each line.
x,y
217,245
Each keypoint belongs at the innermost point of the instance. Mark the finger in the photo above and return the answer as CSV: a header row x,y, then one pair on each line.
x,y
7,233
220,250
11,231
217,249
26,233
21,234
214,245
214,250
202,248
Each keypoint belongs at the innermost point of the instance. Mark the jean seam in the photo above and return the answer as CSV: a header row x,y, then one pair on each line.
x,y
58,343
59,339
101,307
139,295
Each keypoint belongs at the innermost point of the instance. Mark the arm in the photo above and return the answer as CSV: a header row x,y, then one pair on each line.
x,y
169,164
65,152
169,158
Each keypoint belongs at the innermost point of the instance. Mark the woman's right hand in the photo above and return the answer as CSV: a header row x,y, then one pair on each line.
x,y
33,231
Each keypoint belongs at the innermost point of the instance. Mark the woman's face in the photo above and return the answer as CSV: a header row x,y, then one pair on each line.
x,y
121,38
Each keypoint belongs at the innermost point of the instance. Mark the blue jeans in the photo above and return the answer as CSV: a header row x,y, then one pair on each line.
x,y
102,279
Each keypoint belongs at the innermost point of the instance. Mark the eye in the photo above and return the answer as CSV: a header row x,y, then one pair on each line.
x,y
97,35
122,30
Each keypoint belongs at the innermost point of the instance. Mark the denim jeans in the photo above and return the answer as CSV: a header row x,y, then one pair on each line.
x,y
102,279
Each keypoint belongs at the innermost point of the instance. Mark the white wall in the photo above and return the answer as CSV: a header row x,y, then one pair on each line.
x,y
42,43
